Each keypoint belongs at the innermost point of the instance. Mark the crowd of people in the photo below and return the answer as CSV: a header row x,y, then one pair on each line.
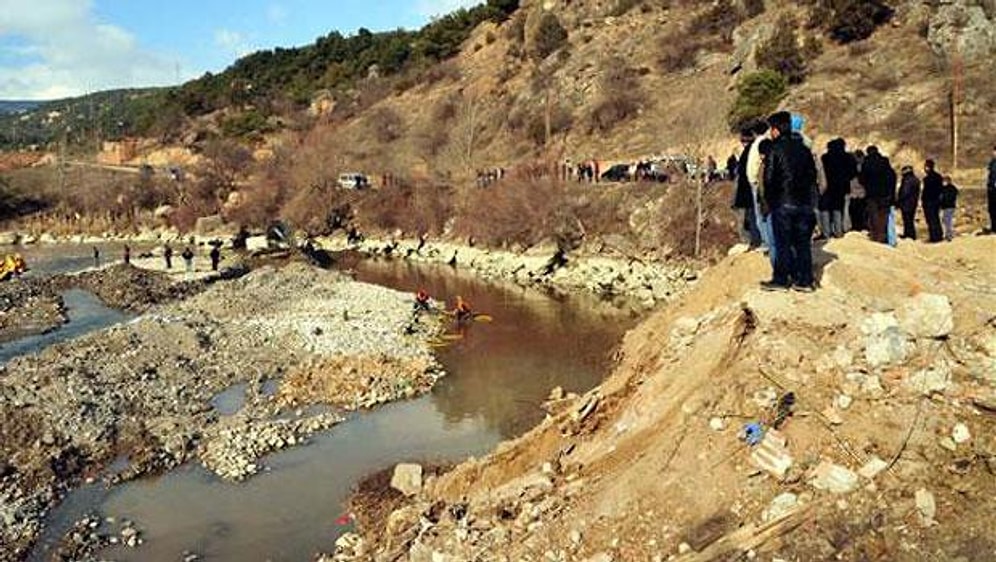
x,y
786,195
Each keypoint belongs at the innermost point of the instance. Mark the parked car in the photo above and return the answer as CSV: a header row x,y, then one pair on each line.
x,y
353,180
619,172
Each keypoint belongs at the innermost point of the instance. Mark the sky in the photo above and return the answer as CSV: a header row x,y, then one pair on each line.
x,y
52,49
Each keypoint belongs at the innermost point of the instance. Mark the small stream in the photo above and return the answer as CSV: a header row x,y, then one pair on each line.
x,y
499,374
86,314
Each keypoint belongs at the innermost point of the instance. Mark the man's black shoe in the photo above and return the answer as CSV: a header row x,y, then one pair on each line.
x,y
773,286
804,288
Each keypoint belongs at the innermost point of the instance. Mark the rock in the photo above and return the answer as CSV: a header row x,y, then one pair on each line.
x,y
257,243
781,505
717,424
926,507
885,343
684,548
844,401
738,249
960,434
407,479
962,26
9,238
934,379
873,468
834,478
927,316
557,394
772,455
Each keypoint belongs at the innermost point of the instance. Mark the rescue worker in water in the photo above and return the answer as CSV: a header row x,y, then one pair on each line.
x,y
462,311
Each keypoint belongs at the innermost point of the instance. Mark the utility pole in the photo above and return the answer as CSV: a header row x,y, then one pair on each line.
x,y
698,215
957,77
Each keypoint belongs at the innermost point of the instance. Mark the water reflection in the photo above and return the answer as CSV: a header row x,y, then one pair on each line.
x,y
499,374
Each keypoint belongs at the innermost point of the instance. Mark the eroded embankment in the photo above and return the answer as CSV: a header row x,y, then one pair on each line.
x,y
889,453
608,274
143,390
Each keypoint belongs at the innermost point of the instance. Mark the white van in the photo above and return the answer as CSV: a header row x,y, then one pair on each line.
x,y
353,180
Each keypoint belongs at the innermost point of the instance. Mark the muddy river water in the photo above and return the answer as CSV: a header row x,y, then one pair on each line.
x,y
499,373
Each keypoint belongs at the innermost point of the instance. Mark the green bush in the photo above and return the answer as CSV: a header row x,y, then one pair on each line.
x,y
781,53
758,95
550,36
850,20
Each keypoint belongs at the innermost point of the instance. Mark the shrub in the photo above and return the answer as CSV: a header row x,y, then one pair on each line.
x,y
781,53
622,96
561,121
850,20
719,20
758,94
550,35
622,6
753,8
523,212
386,125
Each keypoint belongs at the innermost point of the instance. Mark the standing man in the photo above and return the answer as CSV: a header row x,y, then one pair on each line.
x,y
856,208
127,254
840,168
991,193
790,192
215,257
188,259
879,181
743,200
949,200
96,257
908,200
931,198
168,254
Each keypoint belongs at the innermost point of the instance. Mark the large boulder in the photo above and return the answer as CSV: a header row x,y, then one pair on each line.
x,y
965,27
926,316
9,238
209,224
407,479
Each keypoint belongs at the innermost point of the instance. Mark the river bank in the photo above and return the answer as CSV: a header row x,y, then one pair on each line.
x,y
884,451
143,391
608,270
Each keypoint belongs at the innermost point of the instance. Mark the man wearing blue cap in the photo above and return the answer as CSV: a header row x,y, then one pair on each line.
x,y
790,187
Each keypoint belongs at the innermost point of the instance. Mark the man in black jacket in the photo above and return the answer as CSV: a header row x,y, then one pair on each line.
x,y
991,193
879,180
743,199
790,193
840,167
931,198
908,200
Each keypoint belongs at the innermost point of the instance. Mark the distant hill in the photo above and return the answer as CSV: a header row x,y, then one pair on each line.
x,y
13,106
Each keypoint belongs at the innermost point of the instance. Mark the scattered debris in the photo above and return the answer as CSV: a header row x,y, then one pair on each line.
x,y
834,478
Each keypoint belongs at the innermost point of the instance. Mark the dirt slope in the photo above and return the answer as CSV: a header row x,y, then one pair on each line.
x,y
887,360
487,107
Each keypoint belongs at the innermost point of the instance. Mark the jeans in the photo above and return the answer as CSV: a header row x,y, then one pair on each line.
x,y
949,232
750,233
932,212
909,223
793,230
832,223
877,216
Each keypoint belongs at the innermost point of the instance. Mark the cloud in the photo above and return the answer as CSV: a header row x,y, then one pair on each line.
x,y
431,8
66,51
276,14
232,41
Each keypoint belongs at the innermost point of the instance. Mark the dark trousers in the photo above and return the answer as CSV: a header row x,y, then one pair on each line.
x,y
793,228
992,210
857,212
909,222
932,212
877,216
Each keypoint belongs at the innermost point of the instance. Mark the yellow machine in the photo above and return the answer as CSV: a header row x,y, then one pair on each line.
x,y
13,266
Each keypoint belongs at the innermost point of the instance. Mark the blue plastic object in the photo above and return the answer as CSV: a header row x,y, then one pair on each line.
x,y
798,123
752,433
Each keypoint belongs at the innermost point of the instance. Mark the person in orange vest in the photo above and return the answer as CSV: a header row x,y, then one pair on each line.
x,y
422,302
462,311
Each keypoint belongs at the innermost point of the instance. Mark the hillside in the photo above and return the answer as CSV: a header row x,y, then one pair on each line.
x,y
14,106
888,453
526,87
